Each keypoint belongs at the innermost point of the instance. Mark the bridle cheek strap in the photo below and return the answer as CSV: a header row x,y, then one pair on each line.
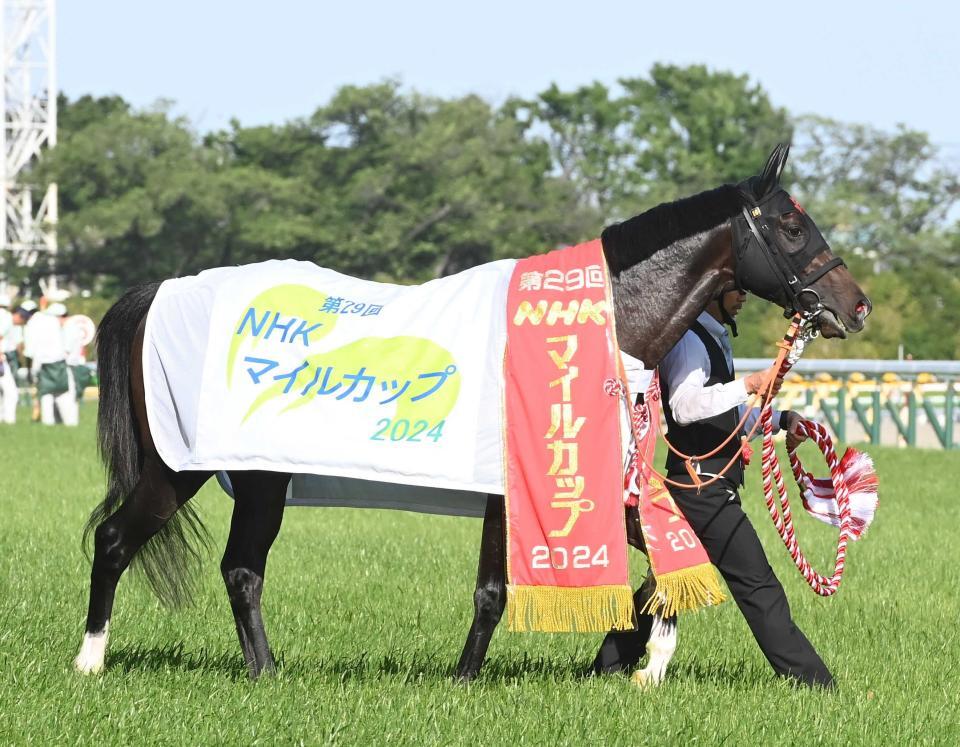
x,y
783,268
785,274
823,270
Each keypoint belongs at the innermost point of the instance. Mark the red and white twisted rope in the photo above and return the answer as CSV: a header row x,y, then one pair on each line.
x,y
783,519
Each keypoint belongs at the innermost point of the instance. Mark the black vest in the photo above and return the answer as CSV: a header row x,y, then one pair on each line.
x,y
705,435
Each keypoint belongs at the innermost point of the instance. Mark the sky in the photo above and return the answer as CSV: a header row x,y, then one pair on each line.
x,y
878,63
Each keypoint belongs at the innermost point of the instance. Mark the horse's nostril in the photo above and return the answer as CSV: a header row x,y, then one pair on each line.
x,y
864,307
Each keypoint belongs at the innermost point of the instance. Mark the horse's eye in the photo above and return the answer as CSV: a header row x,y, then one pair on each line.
x,y
794,232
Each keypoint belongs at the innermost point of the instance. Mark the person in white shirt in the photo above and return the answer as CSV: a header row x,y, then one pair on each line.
x,y
76,352
9,339
43,344
703,404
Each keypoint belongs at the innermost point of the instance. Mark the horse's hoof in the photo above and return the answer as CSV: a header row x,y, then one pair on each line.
x,y
643,678
266,672
93,651
84,666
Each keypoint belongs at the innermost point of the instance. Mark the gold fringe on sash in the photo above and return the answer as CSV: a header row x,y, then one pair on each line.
x,y
563,609
683,590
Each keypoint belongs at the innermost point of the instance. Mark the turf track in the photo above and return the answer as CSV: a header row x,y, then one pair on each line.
x,y
367,613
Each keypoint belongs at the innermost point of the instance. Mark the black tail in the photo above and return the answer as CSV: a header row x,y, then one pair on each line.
x,y
166,558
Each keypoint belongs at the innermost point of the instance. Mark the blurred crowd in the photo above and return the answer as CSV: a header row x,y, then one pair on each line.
x,y
43,357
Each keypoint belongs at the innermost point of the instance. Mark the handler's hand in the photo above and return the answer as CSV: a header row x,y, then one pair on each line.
x,y
758,382
795,436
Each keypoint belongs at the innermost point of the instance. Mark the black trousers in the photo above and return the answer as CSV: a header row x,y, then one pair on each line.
x,y
716,515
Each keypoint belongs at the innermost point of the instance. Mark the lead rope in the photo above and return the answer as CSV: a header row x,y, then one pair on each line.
x,y
772,476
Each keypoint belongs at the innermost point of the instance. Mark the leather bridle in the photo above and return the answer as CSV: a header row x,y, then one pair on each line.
x,y
765,269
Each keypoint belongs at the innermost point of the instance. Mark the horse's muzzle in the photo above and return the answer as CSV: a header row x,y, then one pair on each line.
x,y
855,322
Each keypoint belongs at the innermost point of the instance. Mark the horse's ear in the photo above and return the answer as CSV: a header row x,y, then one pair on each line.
x,y
770,178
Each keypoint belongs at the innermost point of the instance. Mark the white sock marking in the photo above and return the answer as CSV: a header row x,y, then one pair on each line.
x,y
93,651
660,647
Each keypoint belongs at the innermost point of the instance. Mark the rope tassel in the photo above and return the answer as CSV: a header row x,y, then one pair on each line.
x,y
820,499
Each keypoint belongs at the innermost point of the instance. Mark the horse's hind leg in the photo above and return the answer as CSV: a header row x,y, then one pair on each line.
x,y
155,499
490,596
257,514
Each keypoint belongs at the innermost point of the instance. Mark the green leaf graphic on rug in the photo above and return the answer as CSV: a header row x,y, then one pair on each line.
x,y
282,313
413,374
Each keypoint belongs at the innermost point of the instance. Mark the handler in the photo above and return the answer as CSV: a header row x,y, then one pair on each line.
x,y
703,405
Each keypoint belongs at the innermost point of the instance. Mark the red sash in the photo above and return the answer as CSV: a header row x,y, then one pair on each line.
x,y
567,550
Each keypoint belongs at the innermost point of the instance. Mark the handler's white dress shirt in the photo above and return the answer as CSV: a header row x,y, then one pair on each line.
x,y
685,371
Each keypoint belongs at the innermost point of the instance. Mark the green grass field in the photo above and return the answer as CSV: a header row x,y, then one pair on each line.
x,y
367,613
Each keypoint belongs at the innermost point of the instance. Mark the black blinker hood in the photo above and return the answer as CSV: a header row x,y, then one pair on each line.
x,y
764,266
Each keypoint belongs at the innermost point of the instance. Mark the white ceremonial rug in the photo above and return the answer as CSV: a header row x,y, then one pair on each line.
x,y
372,394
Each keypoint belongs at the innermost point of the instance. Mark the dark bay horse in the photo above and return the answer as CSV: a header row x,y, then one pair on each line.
x,y
666,266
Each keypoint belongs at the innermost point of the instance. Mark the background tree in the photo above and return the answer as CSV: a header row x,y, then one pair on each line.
x,y
424,186
695,129
142,198
588,138
878,192
674,133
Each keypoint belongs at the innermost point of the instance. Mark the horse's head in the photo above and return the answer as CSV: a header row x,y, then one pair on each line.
x,y
783,257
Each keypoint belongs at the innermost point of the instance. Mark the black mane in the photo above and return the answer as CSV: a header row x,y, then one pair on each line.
x,y
625,244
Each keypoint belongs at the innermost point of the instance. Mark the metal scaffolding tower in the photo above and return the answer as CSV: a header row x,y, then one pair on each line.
x,y
29,105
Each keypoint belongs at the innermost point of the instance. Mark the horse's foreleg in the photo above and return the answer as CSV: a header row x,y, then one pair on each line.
x,y
155,499
490,596
622,650
662,644
654,635
257,514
